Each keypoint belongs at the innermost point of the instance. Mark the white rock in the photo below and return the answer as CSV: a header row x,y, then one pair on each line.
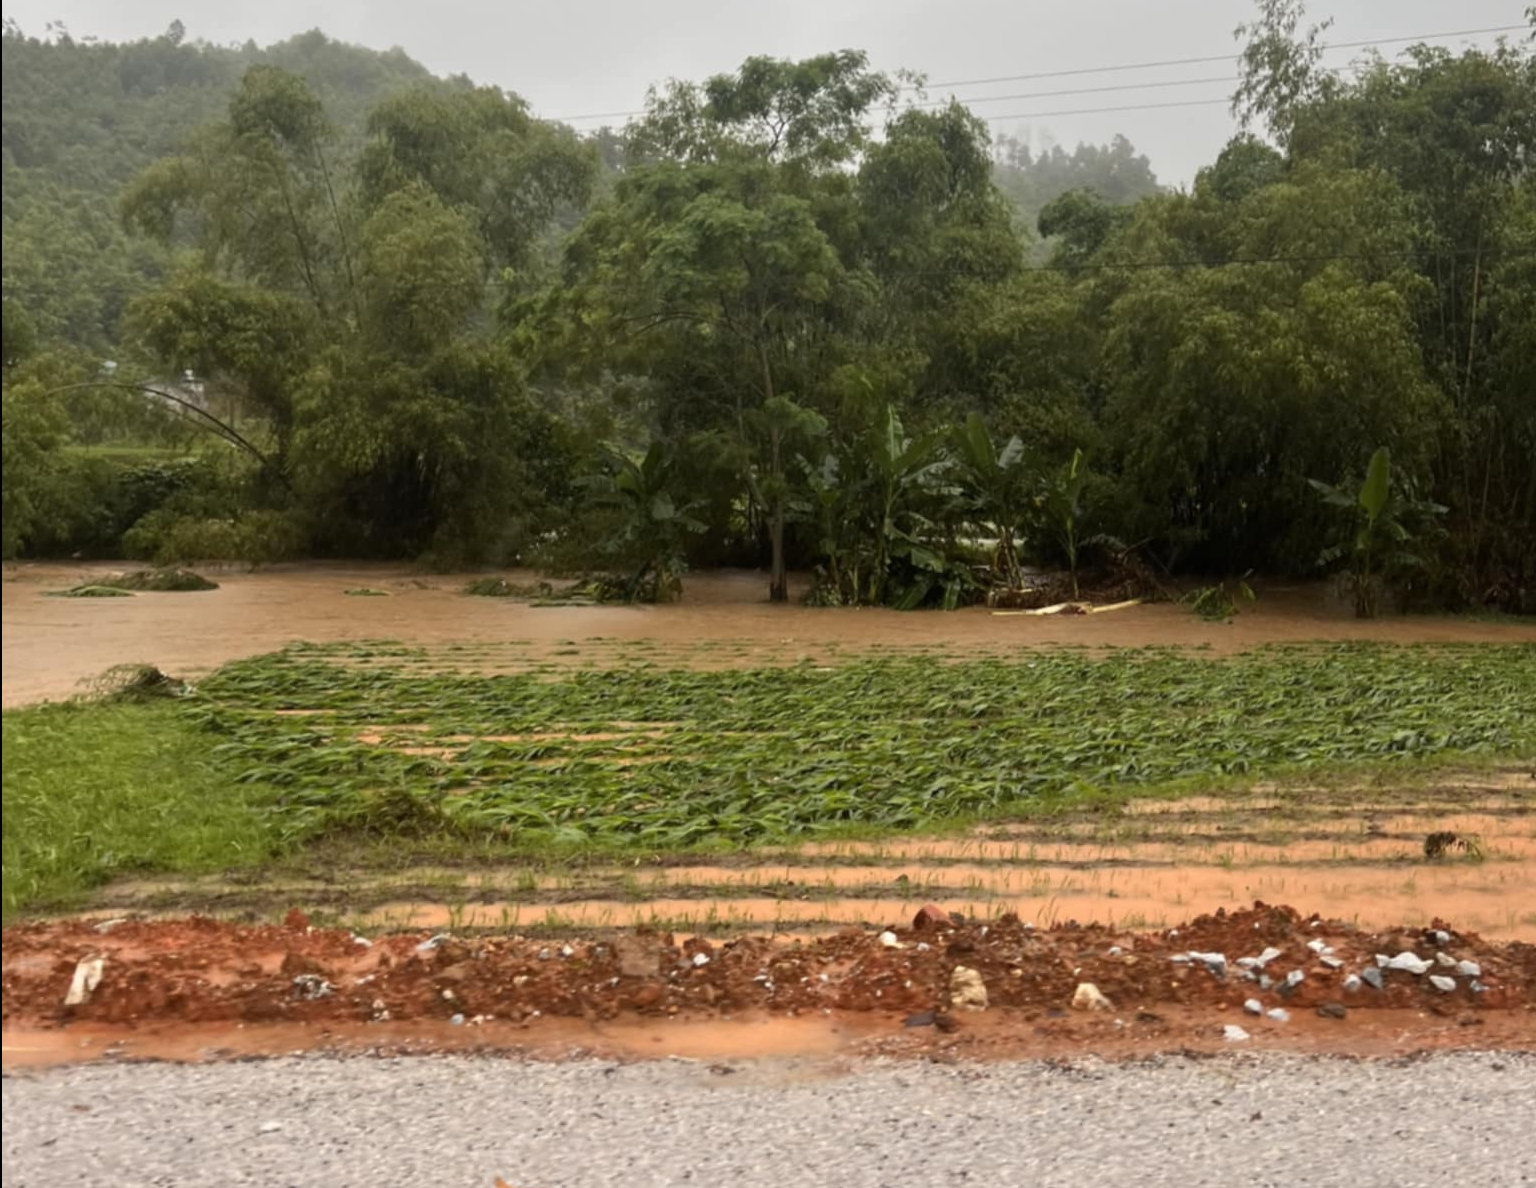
x,y
1442,937
1352,983
700,960
567,951
1088,997
888,939
1279,1014
431,942
109,925
1441,983
1410,962
1318,946
966,989
1331,962
83,984
1253,1006
1267,956
1295,978
269,1127
1445,960
1232,1033
1469,969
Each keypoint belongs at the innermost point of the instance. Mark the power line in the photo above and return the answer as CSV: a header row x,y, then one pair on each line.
x,y
978,82
611,115
1038,115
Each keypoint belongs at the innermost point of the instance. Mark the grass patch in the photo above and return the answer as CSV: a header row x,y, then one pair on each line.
x,y
97,790
91,592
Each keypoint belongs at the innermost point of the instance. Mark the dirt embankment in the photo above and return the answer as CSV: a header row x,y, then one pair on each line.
x,y
52,644
938,984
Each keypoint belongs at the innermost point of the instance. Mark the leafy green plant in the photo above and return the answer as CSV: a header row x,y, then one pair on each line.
x,y
1061,504
993,481
1221,601
1378,544
651,527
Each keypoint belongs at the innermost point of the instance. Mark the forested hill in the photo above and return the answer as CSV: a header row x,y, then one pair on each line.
x,y
81,118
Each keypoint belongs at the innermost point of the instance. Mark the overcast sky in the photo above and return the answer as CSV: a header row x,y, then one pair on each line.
x,y
573,57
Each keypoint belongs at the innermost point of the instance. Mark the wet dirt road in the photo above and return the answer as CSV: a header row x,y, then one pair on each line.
x,y
52,644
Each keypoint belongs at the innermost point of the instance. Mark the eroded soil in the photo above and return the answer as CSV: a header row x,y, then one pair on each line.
x,y
197,987
1357,847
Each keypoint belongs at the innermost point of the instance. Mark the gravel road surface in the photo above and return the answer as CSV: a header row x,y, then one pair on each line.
x,y
1449,1120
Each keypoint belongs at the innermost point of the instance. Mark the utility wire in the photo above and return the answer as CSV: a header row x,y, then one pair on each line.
x,y
976,82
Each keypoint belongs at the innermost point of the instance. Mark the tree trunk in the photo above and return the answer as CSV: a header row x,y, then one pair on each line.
x,y
778,580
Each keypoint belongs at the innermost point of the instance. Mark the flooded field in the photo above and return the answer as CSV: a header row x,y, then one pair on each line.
x,y
51,645
1356,851
637,728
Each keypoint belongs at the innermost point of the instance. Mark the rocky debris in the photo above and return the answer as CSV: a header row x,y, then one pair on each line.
x,y
1332,1010
1088,997
312,986
1407,960
1278,1014
1233,1034
1331,962
1445,960
1215,962
203,970
1442,983
931,915
1261,960
1469,969
639,956
1253,1006
83,982
966,989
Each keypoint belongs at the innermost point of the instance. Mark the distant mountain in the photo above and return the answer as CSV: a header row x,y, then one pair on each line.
x,y
82,117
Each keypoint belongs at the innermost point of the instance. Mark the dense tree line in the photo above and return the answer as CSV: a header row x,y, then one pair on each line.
x,y
787,319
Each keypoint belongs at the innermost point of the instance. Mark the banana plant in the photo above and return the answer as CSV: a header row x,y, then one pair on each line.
x,y
1377,540
992,481
1062,504
648,537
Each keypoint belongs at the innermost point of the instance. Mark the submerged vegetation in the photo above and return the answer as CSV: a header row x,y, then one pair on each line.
x,y
338,741
792,315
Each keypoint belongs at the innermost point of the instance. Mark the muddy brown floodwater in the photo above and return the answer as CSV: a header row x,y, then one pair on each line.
x,y
52,644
